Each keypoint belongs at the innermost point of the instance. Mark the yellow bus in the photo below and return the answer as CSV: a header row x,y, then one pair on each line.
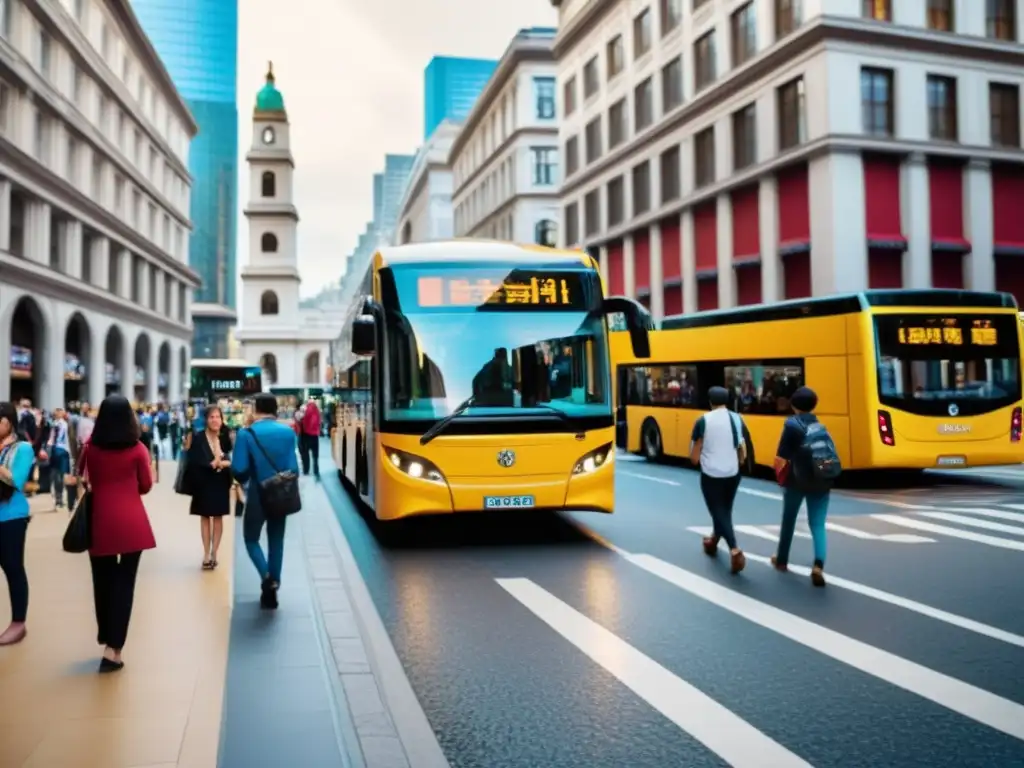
x,y
475,375
905,379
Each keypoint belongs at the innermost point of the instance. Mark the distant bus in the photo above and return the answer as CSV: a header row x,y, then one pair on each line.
x,y
906,379
474,375
213,380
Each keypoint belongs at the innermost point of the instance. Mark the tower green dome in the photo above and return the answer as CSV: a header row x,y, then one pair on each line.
x,y
269,99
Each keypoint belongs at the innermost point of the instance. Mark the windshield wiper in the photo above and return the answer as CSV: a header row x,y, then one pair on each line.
x,y
556,411
441,424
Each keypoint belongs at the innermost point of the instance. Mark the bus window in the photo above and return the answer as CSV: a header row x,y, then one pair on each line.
x,y
763,388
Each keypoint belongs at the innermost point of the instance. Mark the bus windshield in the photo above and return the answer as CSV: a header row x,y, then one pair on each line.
x,y
963,364
514,342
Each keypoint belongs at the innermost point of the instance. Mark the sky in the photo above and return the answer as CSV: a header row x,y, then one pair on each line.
x,y
351,73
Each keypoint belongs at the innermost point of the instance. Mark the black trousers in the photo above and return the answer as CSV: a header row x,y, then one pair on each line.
x,y
12,563
309,452
113,590
719,494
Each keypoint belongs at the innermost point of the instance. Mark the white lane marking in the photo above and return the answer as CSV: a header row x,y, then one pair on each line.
x,y
956,533
889,538
973,522
761,533
762,494
1014,506
972,702
726,734
652,478
998,514
952,619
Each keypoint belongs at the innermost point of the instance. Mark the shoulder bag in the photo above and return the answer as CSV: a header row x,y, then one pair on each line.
x,y
78,535
279,493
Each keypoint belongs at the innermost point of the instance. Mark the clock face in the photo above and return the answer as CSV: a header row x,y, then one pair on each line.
x,y
268,135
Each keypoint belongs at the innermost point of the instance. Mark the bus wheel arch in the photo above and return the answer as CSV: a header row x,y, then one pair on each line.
x,y
650,440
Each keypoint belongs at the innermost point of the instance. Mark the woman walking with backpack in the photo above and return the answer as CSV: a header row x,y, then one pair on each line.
x,y
806,465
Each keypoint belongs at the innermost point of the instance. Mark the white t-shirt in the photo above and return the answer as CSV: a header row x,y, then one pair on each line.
x,y
719,430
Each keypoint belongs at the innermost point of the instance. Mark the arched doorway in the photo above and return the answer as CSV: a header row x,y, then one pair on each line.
x,y
312,375
142,354
77,350
163,378
183,372
113,358
28,340
268,363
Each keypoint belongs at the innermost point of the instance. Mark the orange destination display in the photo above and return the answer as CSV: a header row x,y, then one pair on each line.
x,y
541,291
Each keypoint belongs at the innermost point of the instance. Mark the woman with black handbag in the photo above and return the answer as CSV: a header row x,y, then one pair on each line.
x,y
209,482
16,459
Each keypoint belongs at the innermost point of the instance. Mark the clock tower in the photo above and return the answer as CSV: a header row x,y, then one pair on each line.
x,y
270,278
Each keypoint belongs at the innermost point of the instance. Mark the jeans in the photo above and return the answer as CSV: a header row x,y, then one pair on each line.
x,y
269,565
12,563
817,511
719,495
113,591
60,465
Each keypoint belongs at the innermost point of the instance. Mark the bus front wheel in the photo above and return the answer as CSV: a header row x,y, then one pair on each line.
x,y
650,440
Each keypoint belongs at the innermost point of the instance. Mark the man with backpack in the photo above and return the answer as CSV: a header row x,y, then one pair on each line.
x,y
806,465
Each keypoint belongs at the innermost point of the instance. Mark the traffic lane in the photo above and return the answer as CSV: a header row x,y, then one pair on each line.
x,y
968,653
500,689
965,577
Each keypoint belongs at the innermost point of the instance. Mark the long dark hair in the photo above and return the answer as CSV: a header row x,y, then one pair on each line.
x,y
116,426
9,412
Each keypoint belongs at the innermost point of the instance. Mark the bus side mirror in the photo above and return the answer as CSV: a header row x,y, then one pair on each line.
x,y
364,336
638,322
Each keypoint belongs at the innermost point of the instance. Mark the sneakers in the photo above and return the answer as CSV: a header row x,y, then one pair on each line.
x,y
268,594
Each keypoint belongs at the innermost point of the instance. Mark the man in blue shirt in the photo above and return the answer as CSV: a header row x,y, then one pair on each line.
x,y
261,451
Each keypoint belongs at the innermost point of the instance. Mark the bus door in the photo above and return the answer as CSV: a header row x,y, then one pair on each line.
x,y
621,393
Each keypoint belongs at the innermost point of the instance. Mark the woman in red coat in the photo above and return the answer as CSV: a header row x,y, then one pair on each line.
x,y
116,468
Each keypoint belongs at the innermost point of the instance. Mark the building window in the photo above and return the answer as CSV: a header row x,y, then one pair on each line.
x,y
545,233
591,82
743,26
615,58
876,101
544,93
569,96
704,61
616,201
940,15
942,122
672,84
744,137
618,125
45,56
700,4
671,15
642,37
572,224
1001,19
1004,111
671,186
268,242
5,18
73,161
268,303
792,114
788,17
572,155
642,188
268,184
879,10
545,165
704,157
592,212
5,107
643,106
592,139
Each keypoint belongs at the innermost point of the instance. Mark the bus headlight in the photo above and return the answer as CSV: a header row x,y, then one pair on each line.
x,y
414,466
593,460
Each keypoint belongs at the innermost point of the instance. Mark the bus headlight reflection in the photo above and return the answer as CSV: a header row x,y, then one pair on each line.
x,y
414,466
593,460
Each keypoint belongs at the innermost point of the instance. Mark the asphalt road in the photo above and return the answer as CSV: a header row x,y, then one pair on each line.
x,y
585,640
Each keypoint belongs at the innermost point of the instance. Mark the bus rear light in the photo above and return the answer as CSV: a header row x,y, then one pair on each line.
x,y
885,428
1015,426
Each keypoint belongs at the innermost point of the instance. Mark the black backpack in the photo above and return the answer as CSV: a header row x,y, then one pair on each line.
x,y
816,464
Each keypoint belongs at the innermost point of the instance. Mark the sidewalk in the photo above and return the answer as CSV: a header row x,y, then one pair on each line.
x,y
164,709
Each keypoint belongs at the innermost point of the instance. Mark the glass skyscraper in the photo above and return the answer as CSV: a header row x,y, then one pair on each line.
x,y
198,43
451,87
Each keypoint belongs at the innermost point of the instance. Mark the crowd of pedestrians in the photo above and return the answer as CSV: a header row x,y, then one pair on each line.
x,y
107,459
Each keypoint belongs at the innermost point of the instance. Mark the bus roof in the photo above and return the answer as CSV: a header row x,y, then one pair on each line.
x,y
841,304
469,249
209,362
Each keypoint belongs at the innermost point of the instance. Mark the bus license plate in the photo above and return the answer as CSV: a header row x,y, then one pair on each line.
x,y
507,502
951,461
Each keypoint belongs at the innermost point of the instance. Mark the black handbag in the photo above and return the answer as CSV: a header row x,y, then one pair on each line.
x,y
183,478
279,493
78,536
